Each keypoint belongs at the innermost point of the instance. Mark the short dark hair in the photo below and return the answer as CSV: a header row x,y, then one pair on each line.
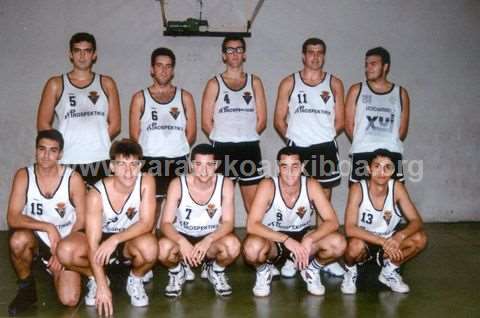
x,y
162,51
288,151
83,37
127,148
233,38
380,153
313,41
202,149
380,51
51,134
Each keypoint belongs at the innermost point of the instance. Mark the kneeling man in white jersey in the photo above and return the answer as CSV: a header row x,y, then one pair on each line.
x,y
279,226
121,213
197,223
375,208
46,207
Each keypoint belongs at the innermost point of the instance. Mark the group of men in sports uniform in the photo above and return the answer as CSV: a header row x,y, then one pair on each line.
x,y
290,220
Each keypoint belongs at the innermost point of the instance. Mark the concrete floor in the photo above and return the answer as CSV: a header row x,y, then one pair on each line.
x,y
444,282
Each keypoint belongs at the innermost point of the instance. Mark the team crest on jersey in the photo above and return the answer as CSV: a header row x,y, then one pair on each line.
x,y
211,209
301,211
387,216
325,95
93,96
247,97
131,212
60,209
174,112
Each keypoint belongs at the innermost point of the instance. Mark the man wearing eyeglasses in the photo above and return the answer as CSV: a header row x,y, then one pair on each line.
x,y
121,213
233,117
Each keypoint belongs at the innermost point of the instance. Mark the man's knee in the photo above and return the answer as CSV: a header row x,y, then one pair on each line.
x,y
355,248
21,240
144,248
65,253
69,299
420,240
254,250
166,248
232,246
337,244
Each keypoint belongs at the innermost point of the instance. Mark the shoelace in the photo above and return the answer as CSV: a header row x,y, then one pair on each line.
x,y
173,281
222,280
138,290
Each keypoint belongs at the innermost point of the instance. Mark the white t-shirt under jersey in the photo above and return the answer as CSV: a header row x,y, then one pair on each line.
x,y
81,114
377,120
280,217
196,219
235,113
57,209
118,221
380,222
311,112
162,127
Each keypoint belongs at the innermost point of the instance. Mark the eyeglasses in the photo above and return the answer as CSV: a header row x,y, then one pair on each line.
x,y
231,50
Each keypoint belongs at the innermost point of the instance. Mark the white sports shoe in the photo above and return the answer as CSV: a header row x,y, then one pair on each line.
x,y
275,271
288,270
312,278
393,280
91,292
334,269
204,273
136,291
219,282
189,274
175,282
148,277
349,283
263,281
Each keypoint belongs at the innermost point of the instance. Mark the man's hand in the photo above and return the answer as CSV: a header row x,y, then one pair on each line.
x,y
299,252
200,250
186,250
105,250
54,238
54,265
103,301
391,246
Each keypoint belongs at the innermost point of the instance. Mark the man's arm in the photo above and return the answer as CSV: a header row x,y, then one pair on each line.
x,y
114,120
50,96
94,222
137,107
415,223
191,117
208,105
77,194
261,104
17,220
281,107
404,120
351,216
324,209
350,109
338,92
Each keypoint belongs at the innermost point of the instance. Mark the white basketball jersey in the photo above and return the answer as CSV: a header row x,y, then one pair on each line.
x,y
118,221
162,127
57,210
380,222
280,217
377,120
82,114
311,112
196,219
235,114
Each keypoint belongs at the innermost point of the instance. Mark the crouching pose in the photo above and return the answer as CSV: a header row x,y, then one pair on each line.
x,y
371,220
279,226
197,222
46,207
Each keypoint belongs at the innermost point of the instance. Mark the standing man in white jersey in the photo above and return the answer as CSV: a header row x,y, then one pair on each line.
x,y
234,114
374,210
279,226
162,121
376,115
309,114
197,224
86,108
46,207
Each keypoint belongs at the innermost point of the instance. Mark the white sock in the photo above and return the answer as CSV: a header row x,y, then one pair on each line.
x,y
217,268
176,269
315,265
389,266
352,268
